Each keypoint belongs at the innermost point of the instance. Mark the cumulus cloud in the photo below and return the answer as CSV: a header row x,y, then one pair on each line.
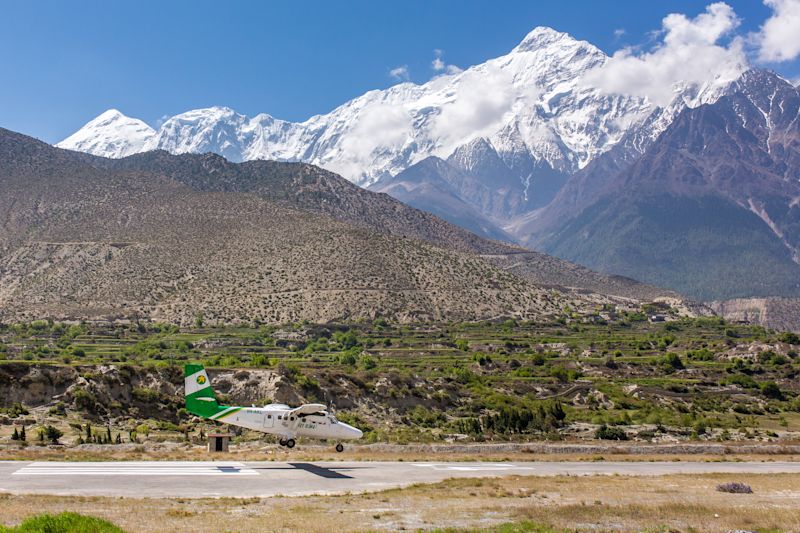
x,y
779,37
689,52
400,73
619,32
438,64
478,107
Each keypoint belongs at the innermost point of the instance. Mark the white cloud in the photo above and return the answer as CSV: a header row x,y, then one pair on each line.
x,y
478,107
438,64
619,32
378,127
779,37
400,73
689,53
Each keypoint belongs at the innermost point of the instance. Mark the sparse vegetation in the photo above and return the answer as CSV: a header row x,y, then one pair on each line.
x,y
508,380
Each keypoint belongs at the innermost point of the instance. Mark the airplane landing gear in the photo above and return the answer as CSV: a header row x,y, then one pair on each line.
x,y
290,443
340,447
282,442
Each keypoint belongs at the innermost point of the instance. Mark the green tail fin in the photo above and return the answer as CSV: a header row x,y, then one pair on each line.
x,y
200,399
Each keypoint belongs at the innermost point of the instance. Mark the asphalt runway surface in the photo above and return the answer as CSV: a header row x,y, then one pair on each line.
x,y
213,479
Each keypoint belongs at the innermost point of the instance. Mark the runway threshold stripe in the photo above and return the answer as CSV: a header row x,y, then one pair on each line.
x,y
107,473
135,469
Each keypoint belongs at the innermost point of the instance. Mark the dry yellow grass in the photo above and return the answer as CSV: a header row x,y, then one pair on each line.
x,y
603,503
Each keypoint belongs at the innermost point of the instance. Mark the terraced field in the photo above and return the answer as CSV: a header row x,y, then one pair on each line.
x,y
610,374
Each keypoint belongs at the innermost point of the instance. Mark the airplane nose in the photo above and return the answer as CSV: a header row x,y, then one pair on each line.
x,y
350,432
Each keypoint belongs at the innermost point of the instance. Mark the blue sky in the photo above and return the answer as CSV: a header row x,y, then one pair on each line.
x,y
61,63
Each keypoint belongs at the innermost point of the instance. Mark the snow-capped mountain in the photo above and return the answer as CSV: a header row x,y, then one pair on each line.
x,y
111,134
530,105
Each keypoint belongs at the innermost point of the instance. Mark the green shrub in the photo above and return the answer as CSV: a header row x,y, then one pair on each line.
x,y
742,380
145,395
789,338
605,432
672,362
704,354
63,523
770,389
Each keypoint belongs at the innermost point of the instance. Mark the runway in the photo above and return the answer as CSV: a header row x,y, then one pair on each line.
x,y
211,479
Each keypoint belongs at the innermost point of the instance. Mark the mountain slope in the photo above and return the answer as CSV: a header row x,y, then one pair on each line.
x,y
170,237
711,209
309,188
427,186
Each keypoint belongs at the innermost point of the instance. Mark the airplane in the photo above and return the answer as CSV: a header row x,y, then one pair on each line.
x,y
308,420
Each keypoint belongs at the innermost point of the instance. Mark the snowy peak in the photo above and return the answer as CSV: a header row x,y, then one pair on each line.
x,y
543,37
532,106
110,134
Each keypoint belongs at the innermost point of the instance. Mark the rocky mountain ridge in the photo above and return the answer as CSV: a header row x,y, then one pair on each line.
x,y
711,208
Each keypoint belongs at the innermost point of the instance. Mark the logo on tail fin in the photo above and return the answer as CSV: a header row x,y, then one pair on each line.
x,y
200,399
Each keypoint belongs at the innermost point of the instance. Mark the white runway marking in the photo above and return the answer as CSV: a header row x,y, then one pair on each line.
x,y
140,468
488,467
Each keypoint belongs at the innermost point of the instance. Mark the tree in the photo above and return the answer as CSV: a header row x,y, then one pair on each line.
x,y
15,435
770,389
53,434
88,433
22,435
672,362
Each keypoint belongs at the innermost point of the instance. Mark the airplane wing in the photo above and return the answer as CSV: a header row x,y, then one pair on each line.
x,y
309,409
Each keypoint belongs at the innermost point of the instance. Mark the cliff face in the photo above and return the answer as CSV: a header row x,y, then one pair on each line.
x,y
782,314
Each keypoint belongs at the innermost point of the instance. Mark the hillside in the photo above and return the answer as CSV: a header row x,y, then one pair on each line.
x,y
173,238
310,188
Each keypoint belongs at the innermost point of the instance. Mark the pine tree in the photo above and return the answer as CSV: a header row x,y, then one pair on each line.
x,y
15,435
119,439
88,433
22,435
108,434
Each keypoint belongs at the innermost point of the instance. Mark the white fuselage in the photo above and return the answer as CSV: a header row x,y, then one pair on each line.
x,y
281,421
